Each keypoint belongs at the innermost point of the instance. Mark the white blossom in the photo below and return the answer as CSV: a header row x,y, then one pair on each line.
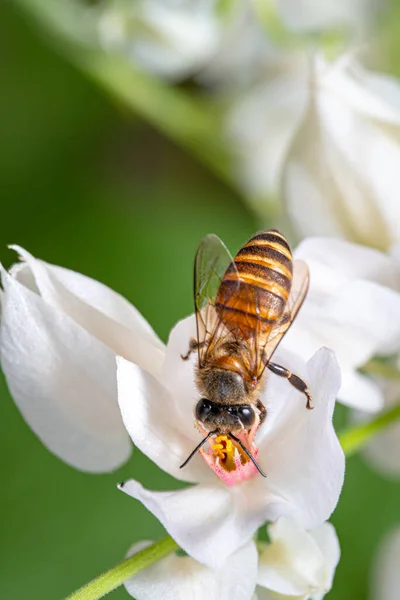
x,y
352,306
298,449
297,564
385,572
326,136
340,174
183,578
169,38
262,120
59,334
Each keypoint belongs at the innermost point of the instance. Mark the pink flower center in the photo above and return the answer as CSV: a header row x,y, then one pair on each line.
x,y
229,461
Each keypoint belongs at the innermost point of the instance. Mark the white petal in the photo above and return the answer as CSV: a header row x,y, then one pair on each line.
x,y
395,254
360,337
101,311
298,562
170,39
300,452
262,123
350,260
276,393
150,417
63,381
328,543
339,175
201,519
264,594
178,375
373,95
209,522
339,316
324,194
22,272
182,578
385,581
290,561
371,157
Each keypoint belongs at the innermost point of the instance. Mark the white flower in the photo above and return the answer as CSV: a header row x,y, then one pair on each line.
x,y
341,174
385,580
182,578
170,38
59,334
262,122
327,137
353,306
297,564
297,448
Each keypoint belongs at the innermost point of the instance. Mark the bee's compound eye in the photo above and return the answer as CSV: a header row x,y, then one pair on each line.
x,y
246,415
203,408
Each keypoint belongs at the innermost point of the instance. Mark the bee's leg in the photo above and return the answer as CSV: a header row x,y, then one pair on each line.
x,y
262,411
295,380
193,345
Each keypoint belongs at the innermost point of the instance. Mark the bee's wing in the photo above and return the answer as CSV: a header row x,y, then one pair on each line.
x,y
211,262
298,292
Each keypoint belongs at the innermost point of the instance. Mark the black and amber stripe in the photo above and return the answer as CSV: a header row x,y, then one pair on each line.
x,y
265,271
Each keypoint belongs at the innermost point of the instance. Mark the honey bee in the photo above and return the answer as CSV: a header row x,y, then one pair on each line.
x,y
244,306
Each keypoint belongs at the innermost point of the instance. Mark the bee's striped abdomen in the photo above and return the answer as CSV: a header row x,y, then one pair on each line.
x,y
265,272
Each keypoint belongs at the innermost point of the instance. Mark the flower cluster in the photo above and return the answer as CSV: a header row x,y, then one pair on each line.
x,y
92,378
296,565
86,370
72,350
312,126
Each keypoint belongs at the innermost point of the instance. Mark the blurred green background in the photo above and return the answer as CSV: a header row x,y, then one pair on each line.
x,y
85,185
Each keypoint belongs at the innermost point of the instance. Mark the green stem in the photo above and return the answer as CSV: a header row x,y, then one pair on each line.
x,y
113,578
356,437
381,368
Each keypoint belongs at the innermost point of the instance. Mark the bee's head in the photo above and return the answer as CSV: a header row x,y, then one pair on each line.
x,y
232,456
225,418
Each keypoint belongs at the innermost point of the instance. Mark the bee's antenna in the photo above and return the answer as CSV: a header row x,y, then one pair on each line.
x,y
249,454
198,448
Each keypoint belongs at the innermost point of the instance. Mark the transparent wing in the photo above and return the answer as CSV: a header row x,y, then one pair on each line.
x,y
211,262
298,292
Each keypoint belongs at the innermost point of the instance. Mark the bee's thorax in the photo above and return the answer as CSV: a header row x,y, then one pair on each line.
x,y
221,385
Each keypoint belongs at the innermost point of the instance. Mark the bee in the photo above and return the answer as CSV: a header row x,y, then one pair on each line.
x,y
244,306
